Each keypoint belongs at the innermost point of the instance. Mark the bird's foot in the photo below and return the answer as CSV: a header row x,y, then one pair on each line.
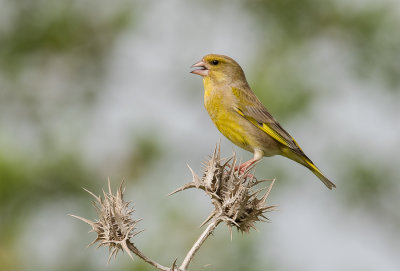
x,y
243,167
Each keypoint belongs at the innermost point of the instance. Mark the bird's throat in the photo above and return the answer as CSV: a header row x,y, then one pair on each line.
x,y
208,87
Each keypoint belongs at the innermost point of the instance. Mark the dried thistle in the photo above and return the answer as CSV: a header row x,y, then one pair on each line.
x,y
114,226
233,194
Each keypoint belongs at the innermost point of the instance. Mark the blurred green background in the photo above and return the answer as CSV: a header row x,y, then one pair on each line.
x,y
91,89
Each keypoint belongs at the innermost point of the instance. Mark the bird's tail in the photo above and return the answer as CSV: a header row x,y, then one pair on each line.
x,y
301,158
310,165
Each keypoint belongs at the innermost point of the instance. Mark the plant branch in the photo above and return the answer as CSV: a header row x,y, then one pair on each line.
x,y
207,232
190,255
136,251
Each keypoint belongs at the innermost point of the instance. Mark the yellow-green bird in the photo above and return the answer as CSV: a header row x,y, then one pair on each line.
x,y
242,118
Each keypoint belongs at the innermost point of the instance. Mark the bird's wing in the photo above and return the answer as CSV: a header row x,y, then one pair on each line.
x,y
253,110
250,107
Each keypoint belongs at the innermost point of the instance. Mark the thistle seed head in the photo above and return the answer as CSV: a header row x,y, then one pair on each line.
x,y
114,226
233,194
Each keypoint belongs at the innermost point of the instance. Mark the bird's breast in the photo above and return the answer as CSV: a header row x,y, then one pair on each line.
x,y
229,123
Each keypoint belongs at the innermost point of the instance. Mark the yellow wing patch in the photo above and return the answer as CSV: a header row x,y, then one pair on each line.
x,y
271,132
265,128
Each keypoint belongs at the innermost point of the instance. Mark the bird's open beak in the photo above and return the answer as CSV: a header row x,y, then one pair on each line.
x,y
202,70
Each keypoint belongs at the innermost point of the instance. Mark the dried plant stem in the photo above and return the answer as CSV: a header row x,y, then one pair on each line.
x,y
185,264
207,232
146,259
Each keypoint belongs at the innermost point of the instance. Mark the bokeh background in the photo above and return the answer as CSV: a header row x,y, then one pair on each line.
x,y
91,89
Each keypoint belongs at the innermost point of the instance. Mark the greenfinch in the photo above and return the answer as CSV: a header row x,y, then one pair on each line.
x,y
242,118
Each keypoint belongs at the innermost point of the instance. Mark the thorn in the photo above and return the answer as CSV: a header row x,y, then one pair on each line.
x,y
173,267
195,177
208,219
126,249
93,242
109,185
255,193
184,187
120,191
91,223
96,197
136,233
264,198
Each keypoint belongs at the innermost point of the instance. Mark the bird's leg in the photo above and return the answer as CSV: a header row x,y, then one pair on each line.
x,y
244,166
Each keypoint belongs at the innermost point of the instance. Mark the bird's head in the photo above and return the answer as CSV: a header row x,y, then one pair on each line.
x,y
219,67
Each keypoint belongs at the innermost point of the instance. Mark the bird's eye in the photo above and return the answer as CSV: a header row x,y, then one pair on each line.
x,y
215,62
